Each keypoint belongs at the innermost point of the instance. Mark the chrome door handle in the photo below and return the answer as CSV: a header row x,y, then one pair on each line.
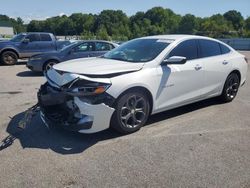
x,y
224,62
198,67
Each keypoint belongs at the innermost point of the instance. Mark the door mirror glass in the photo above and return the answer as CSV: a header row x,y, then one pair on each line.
x,y
175,60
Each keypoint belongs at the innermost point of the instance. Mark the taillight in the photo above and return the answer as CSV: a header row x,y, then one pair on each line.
x,y
246,60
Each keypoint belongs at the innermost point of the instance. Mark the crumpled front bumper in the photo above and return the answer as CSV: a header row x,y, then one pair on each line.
x,y
72,113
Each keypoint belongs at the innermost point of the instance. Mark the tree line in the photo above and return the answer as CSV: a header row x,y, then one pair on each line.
x,y
116,25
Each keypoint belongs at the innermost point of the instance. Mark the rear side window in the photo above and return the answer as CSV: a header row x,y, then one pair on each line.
x,y
209,48
224,49
33,37
102,46
45,37
186,49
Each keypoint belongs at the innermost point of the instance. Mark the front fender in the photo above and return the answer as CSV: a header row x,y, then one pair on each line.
x,y
147,78
11,48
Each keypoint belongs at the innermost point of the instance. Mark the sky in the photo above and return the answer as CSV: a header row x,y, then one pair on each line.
x,y
42,9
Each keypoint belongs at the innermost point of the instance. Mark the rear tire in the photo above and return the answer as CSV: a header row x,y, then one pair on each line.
x,y
231,87
131,112
9,58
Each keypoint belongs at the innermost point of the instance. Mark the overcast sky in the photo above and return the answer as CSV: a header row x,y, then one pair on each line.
x,y
41,9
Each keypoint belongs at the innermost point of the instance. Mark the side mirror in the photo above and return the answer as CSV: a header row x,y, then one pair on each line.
x,y
26,41
175,60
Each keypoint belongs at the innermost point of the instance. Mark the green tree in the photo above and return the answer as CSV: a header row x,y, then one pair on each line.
x,y
102,33
188,24
216,26
247,27
114,21
235,18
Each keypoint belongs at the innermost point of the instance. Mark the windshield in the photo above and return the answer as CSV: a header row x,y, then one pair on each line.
x,y
139,50
18,38
68,46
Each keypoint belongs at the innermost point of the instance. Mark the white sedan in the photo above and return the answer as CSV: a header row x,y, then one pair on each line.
x,y
141,77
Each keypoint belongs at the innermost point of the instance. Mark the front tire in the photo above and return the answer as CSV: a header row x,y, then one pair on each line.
x,y
132,112
48,65
9,58
231,87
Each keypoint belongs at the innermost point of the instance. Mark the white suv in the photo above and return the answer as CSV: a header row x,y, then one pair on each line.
x,y
141,77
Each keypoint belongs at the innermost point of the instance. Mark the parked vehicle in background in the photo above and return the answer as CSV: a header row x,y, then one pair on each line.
x,y
25,45
141,77
1,38
79,49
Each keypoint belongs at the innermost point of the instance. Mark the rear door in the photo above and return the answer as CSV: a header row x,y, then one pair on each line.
x,y
82,50
47,44
181,83
216,66
32,47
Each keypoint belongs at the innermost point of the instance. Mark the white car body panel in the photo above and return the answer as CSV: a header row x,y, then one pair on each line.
x,y
100,122
171,86
97,66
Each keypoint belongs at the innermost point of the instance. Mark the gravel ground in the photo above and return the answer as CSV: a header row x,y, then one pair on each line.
x,y
205,144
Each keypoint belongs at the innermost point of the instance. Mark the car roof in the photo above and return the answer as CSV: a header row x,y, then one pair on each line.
x,y
177,37
25,33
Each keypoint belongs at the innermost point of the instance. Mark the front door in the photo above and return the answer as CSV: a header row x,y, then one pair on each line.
x,y
181,83
31,47
82,50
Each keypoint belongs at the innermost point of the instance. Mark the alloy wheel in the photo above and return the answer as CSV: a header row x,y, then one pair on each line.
x,y
49,65
9,58
133,111
232,87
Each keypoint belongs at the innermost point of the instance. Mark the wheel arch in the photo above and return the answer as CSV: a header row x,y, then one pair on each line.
x,y
141,89
9,49
236,72
48,60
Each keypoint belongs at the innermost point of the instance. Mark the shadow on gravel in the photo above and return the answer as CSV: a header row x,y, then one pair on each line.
x,y
183,110
20,62
37,135
29,74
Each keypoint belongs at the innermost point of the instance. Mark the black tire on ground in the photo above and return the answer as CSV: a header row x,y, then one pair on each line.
x,y
48,65
231,87
131,112
9,58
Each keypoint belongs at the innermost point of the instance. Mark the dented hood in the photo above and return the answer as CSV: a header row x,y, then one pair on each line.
x,y
97,66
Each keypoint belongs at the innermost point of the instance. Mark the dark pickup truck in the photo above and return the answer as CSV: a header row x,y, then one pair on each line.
x,y
25,45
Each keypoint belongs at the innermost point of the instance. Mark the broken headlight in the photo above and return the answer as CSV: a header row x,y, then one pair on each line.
x,y
87,88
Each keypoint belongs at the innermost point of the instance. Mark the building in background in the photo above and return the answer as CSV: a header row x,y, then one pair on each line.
x,y
6,30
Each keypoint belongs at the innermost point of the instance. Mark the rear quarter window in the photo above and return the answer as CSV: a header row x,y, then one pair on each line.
x,y
224,49
209,48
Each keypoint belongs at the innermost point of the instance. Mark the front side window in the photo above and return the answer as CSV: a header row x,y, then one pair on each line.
x,y
209,48
186,49
33,37
138,50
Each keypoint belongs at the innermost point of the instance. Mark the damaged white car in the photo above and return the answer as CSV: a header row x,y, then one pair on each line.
x,y
141,77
